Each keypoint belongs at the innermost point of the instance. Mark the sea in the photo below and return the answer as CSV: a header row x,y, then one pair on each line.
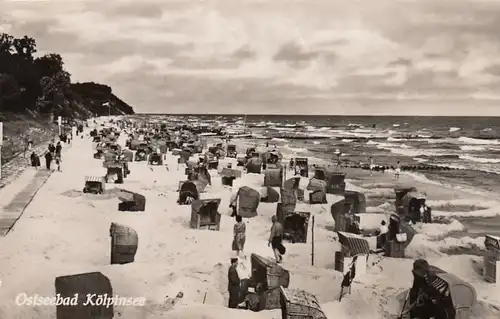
x,y
469,145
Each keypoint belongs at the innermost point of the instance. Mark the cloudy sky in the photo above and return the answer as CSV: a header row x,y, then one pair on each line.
x,y
406,57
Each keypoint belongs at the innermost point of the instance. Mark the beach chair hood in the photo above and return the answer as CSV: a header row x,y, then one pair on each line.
x,y
188,186
316,185
462,293
205,212
300,304
288,200
248,201
354,243
292,183
357,200
268,272
273,177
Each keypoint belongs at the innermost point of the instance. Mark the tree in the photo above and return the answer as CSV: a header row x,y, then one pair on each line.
x,y
6,42
43,85
10,93
53,90
49,64
59,82
25,46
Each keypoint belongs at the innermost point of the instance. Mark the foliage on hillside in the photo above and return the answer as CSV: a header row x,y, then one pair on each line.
x,y
18,129
42,86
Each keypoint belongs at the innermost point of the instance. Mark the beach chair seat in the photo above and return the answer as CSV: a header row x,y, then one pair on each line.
x,y
94,185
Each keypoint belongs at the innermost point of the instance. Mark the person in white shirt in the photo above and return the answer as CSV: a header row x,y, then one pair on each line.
x,y
372,166
422,212
382,236
383,228
398,170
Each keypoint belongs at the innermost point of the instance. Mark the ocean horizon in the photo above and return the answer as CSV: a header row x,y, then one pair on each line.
x,y
312,115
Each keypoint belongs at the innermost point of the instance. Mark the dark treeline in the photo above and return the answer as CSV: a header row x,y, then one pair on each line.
x,y
41,85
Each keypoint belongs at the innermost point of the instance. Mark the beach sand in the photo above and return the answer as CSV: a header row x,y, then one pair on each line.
x,y
65,232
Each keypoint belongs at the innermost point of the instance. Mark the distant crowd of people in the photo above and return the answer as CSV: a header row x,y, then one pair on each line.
x,y
52,154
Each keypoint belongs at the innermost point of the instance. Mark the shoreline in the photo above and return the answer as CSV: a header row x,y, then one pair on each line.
x,y
66,232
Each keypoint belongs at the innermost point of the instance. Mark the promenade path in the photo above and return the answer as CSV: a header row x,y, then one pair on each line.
x,y
11,213
28,180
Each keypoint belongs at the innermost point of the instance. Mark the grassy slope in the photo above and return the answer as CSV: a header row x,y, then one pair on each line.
x,y
86,100
18,129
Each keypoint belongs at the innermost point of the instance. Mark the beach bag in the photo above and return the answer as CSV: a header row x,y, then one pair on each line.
x,y
281,249
401,238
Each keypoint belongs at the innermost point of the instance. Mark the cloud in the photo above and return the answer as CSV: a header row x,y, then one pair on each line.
x,y
292,52
401,62
323,56
493,69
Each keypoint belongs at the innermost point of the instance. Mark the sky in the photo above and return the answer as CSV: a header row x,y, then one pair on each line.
x,y
357,57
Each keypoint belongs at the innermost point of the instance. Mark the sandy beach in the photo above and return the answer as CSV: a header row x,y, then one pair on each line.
x,y
64,231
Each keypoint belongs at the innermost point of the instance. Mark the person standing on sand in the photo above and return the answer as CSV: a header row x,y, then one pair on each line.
x,y
372,166
276,238
239,233
297,170
383,230
233,201
338,153
398,170
58,162
234,282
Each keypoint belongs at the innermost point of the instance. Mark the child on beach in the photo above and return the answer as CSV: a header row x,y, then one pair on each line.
x,y
338,153
28,148
58,162
297,170
397,171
